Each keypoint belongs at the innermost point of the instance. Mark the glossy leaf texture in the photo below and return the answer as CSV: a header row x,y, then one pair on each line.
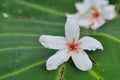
x,y
22,57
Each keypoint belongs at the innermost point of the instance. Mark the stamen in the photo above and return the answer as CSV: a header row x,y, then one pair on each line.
x,y
73,46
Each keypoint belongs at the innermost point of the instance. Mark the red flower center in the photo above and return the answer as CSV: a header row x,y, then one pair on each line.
x,y
95,14
73,46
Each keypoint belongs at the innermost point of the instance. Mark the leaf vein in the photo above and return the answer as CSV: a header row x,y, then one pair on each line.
x,y
107,36
98,77
22,70
18,34
39,7
19,48
60,75
37,21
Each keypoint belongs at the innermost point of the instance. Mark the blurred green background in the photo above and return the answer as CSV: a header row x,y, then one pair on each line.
x,y
23,58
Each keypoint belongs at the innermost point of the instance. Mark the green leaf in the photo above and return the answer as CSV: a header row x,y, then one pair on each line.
x,y
22,57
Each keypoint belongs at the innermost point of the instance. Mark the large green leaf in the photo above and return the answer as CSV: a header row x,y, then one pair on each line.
x,y
22,57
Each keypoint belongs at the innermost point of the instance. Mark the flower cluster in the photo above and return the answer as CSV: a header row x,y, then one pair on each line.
x,y
91,14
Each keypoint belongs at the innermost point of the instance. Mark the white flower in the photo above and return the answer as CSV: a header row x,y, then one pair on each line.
x,y
70,46
94,13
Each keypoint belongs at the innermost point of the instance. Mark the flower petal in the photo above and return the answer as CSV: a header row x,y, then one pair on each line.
x,y
82,7
109,12
104,2
53,42
72,29
85,21
82,61
58,58
97,23
89,43
79,6
96,4
68,15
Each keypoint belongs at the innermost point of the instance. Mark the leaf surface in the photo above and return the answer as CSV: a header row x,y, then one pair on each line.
x,y
22,57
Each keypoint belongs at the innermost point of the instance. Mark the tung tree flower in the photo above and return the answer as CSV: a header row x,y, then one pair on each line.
x,y
70,46
94,13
